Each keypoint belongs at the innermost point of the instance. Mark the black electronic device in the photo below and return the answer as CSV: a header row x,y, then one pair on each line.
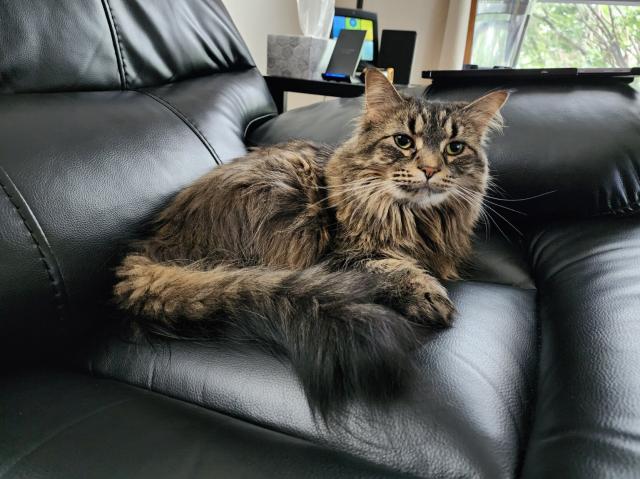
x,y
356,19
396,51
346,56
625,74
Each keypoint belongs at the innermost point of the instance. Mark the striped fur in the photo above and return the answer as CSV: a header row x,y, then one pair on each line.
x,y
330,258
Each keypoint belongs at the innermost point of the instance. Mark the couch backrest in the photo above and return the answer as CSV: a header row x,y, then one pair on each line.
x,y
107,109
570,149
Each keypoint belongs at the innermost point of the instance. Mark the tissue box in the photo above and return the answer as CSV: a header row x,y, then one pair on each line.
x,y
298,56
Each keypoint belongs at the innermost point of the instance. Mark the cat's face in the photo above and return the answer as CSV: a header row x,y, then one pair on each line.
x,y
425,153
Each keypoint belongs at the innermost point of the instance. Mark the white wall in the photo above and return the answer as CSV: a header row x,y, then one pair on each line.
x,y
427,17
434,21
255,19
454,39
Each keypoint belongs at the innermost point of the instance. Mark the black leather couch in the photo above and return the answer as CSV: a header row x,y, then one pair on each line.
x,y
109,108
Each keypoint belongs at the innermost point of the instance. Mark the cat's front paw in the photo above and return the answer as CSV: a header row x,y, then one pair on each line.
x,y
429,305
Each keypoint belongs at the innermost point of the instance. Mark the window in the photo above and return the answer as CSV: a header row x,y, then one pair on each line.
x,y
582,34
557,33
499,26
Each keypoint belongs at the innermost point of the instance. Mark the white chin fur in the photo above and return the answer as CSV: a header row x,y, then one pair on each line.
x,y
429,199
424,199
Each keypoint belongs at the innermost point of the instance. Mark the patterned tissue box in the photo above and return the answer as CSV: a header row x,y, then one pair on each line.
x,y
298,56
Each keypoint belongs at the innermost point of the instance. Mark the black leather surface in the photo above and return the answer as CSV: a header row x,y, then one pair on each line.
x,y
26,286
61,45
165,41
64,425
330,122
577,145
498,258
220,108
68,45
467,416
90,184
587,421
83,172
580,141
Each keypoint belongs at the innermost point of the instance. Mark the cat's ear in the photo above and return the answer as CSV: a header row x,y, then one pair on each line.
x,y
379,94
485,111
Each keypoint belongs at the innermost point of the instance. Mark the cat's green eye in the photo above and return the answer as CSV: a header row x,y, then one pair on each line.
x,y
403,141
454,148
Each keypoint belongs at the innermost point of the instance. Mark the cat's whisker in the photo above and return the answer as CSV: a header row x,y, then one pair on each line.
x,y
523,199
492,220
487,200
482,215
505,220
492,184
505,207
466,198
487,219
488,205
475,197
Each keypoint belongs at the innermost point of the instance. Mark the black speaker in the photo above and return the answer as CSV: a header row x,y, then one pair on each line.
x,y
396,51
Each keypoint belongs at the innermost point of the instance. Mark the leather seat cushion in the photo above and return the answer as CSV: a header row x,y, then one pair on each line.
x,y
73,426
588,412
466,415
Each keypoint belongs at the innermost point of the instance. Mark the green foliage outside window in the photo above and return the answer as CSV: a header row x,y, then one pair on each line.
x,y
558,34
581,35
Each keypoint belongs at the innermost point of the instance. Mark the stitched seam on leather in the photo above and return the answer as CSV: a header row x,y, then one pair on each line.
x,y
57,292
119,49
623,210
187,121
114,40
261,117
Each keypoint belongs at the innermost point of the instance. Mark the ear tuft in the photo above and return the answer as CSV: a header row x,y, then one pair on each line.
x,y
380,94
485,111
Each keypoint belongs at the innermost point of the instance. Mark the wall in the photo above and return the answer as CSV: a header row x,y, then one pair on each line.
x,y
255,19
434,21
455,35
427,17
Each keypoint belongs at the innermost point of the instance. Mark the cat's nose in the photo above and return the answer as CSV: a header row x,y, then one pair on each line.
x,y
430,171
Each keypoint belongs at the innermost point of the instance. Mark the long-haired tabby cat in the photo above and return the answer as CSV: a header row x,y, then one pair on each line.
x,y
330,258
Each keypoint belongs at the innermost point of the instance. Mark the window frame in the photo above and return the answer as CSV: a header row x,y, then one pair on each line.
x,y
473,11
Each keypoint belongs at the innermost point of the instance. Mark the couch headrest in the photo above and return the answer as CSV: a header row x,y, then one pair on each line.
x,y
568,150
575,143
66,45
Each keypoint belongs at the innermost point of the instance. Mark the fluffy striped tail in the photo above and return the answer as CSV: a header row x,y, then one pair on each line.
x,y
342,345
